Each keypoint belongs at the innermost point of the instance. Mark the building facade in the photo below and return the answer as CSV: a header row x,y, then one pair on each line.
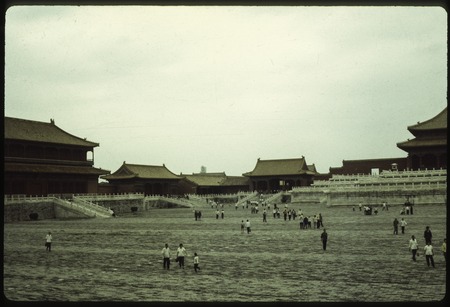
x,y
40,159
368,166
282,174
147,179
213,183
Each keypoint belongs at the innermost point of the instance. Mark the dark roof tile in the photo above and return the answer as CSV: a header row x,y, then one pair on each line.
x,y
127,171
53,169
280,167
34,131
437,122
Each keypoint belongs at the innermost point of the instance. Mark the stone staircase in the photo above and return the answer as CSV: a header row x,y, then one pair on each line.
x,y
248,197
274,197
179,201
83,206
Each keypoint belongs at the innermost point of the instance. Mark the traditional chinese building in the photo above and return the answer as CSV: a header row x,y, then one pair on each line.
x,y
41,159
428,148
281,174
213,183
147,179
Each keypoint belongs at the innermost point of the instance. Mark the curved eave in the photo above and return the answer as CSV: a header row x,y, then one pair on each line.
x,y
114,177
422,143
53,169
439,122
159,178
280,174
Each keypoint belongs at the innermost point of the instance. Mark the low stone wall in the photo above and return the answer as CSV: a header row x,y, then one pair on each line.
x,y
394,197
158,203
21,210
390,197
308,197
45,209
122,205
141,204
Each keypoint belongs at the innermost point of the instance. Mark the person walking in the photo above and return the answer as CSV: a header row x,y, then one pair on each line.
x,y
196,263
324,238
247,225
444,249
48,242
321,219
222,214
413,247
403,224
242,226
427,234
429,254
166,256
217,214
395,226
181,253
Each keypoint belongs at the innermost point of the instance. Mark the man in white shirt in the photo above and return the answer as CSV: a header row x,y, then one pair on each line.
x,y
402,225
429,254
166,256
181,253
48,242
413,247
247,224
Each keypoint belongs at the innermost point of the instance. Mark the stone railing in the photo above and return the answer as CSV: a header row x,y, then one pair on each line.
x,y
84,204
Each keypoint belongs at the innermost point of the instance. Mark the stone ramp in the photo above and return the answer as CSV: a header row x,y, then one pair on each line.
x,y
83,207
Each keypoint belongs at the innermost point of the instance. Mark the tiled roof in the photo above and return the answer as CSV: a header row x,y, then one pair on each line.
x,y
29,130
431,133
217,179
437,122
127,171
312,168
53,169
206,179
280,167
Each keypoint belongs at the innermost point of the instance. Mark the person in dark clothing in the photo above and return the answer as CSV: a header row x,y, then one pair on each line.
x,y
395,226
320,219
324,238
427,235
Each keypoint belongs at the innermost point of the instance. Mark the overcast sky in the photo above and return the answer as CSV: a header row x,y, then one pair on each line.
x,y
192,86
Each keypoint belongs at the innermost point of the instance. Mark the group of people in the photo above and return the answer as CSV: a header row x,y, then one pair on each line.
x,y
428,248
180,255
368,210
402,224
246,225
197,215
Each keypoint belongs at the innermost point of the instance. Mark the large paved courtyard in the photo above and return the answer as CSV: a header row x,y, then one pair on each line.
x,y
119,259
